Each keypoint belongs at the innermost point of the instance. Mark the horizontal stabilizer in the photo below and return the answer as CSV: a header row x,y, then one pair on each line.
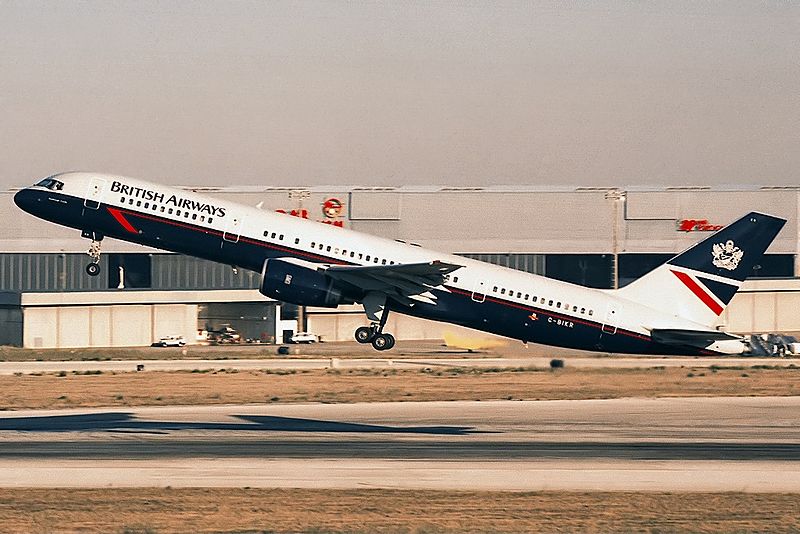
x,y
690,338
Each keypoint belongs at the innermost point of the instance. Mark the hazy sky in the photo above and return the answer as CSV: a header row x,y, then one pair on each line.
x,y
391,93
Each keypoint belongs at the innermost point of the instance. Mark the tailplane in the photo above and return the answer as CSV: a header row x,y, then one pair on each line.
x,y
699,283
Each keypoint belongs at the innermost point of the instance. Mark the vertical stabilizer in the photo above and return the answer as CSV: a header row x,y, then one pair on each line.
x,y
699,283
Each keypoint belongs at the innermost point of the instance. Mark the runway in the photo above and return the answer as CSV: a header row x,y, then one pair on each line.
x,y
28,367
677,444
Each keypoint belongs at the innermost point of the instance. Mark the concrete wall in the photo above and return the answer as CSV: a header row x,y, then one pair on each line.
x,y
106,326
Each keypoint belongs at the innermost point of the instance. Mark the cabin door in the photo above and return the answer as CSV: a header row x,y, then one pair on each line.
x,y
233,229
610,321
479,292
94,195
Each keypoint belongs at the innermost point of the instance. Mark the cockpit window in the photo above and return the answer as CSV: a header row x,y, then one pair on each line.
x,y
52,184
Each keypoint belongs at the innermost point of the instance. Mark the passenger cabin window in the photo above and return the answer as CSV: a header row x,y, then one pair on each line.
x,y
210,219
383,262
549,302
591,312
296,240
535,298
455,279
503,291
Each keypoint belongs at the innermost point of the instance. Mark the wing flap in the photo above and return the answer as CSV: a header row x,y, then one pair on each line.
x,y
406,283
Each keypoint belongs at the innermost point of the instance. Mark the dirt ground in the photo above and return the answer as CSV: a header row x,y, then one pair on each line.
x,y
150,510
70,390
342,349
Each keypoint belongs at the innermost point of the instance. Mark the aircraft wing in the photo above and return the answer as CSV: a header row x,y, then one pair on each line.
x,y
405,283
691,338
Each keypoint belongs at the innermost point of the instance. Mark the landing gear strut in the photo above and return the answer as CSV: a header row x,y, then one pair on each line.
x,y
374,333
93,268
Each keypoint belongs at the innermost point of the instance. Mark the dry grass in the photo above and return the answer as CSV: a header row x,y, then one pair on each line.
x,y
155,510
232,387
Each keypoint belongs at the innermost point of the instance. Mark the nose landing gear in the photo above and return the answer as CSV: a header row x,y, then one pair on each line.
x,y
93,268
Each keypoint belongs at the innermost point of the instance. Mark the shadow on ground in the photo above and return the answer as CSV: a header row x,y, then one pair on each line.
x,y
127,422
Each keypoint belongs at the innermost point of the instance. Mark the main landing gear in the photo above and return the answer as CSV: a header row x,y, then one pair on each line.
x,y
374,332
93,268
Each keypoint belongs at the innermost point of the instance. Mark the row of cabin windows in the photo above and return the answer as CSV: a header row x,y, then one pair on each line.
x,y
542,300
275,234
163,209
352,254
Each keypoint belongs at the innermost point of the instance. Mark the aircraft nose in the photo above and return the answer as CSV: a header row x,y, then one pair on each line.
x,y
26,199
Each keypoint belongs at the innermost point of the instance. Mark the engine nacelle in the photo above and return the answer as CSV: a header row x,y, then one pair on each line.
x,y
289,282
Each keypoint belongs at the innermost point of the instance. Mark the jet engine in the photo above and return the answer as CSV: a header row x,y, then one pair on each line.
x,y
292,282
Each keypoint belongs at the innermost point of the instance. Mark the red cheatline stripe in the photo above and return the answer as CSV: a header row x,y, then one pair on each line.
x,y
697,290
122,220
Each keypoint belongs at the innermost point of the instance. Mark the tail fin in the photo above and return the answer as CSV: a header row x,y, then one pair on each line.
x,y
698,283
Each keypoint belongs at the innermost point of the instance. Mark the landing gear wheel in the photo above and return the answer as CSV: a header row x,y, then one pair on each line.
x,y
391,340
93,269
381,342
364,334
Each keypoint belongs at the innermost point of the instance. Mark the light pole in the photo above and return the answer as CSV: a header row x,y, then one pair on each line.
x,y
299,195
615,196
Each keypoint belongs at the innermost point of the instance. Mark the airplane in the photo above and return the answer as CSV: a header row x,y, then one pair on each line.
x,y
671,310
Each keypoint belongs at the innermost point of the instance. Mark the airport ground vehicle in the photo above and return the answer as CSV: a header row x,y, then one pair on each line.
x,y
170,341
304,337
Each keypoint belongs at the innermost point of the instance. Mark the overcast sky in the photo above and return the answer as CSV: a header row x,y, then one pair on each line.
x,y
307,93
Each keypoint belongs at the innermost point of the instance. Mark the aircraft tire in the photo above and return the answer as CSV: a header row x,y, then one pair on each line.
x,y
383,342
364,334
93,269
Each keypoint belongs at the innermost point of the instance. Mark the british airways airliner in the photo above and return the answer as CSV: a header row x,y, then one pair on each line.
x,y
671,310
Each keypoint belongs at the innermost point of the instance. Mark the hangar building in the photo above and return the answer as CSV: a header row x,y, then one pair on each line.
x,y
599,237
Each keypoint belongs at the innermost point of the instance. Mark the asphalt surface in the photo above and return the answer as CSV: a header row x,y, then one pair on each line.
x,y
680,444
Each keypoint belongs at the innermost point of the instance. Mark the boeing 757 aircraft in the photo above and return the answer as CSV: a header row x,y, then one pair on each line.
x,y
671,310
